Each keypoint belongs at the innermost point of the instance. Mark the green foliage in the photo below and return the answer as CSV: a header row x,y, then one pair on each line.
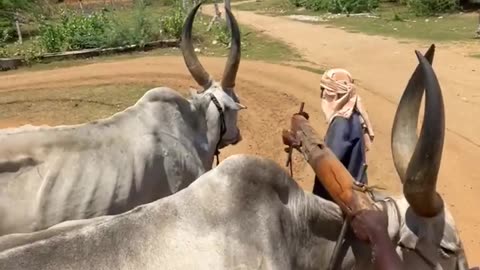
x,y
172,23
432,7
221,33
30,51
338,6
8,8
75,31
141,28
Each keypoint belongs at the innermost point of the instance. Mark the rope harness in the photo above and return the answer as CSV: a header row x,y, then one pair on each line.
x,y
223,127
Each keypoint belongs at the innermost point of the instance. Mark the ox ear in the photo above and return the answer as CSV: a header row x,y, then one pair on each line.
x,y
235,106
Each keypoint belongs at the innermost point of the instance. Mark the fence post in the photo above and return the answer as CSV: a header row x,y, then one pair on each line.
x,y
215,18
81,5
19,31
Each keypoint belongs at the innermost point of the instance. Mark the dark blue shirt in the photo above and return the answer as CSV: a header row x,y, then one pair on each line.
x,y
345,138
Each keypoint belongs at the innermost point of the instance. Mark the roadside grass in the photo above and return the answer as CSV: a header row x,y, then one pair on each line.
x,y
392,20
255,46
310,69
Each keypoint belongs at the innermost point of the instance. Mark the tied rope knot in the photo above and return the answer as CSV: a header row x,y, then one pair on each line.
x,y
366,188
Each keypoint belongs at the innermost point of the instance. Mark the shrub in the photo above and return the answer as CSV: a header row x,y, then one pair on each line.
x,y
139,31
74,32
316,5
30,51
352,6
172,24
432,7
341,6
299,3
221,33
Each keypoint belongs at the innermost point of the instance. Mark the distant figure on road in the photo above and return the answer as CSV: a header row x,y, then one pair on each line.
x,y
350,133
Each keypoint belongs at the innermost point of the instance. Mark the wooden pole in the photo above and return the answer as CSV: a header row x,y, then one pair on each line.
x,y
19,31
81,6
329,170
215,18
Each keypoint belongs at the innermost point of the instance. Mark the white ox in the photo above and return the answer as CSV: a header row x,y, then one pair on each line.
x,y
151,150
247,213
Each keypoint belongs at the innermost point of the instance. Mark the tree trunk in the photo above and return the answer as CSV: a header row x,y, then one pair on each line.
x,y
81,5
19,31
215,18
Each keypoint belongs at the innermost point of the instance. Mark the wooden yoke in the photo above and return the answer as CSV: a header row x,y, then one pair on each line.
x,y
329,170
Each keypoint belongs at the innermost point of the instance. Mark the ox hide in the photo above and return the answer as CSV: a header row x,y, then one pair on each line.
x,y
150,150
247,213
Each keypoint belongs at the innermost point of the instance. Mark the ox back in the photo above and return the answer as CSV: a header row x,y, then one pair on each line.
x,y
52,174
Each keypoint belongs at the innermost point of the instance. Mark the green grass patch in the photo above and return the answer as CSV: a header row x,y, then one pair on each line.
x,y
77,105
310,69
392,20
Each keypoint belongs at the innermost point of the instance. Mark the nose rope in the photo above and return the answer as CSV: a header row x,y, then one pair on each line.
x,y
223,127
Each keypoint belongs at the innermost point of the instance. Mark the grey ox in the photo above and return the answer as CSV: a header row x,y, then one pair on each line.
x,y
151,150
247,213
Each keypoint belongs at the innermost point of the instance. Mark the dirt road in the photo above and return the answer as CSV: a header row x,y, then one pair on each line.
x,y
273,93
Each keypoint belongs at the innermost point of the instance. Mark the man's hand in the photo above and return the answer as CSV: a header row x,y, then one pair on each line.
x,y
369,225
304,114
289,138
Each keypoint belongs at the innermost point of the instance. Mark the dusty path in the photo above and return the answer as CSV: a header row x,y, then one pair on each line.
x,y
382,67
273,93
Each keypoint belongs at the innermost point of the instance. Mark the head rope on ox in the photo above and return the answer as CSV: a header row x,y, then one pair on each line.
x,y
223,127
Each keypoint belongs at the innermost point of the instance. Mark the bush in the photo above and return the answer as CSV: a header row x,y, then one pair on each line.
x,y
139,31
432,7
74,32
341,6
172,24
356,6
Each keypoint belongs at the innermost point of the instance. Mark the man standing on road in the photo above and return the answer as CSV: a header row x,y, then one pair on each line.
x,y
350,133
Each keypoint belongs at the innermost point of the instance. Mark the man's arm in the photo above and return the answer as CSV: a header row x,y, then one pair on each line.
x,y
371,226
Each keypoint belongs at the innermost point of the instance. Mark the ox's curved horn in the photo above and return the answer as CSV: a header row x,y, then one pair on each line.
x,y
200,75
231,68
404,136
417,160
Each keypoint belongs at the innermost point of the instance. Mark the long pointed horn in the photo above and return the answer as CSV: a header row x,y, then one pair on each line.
x,y
404,130
200,75
231,68
420,175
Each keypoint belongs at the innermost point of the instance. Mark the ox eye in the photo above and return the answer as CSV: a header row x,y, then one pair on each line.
x,y
446,253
